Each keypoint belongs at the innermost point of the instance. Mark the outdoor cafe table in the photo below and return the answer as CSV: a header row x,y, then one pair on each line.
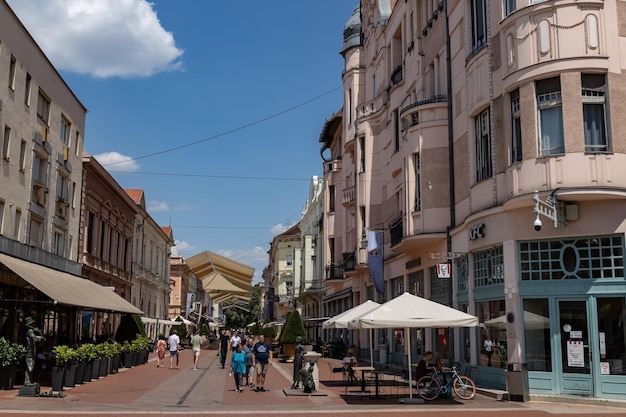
x,y
363,369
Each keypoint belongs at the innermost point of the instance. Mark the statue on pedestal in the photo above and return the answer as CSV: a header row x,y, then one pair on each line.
x,y
307,378
297,363
33,336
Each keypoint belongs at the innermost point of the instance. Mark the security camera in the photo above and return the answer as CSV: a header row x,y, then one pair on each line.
x,y
537,224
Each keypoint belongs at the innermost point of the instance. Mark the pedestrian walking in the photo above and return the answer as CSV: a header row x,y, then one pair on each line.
x,y
196,342
161,345
224,342
174,345
262,352
247,348
238,366
235,340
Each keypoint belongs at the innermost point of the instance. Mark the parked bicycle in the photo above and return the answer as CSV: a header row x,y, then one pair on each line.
x,y
430,387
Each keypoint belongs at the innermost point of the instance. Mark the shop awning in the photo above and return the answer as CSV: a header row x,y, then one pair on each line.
x,y
68,289
222,278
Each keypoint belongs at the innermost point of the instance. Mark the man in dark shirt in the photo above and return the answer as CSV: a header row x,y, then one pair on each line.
x,y
224,342
262,352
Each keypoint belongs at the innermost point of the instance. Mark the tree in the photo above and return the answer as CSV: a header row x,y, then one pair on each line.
x,y
294,327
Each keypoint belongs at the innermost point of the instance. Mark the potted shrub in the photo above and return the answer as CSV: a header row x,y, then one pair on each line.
x,y
10,354
87,355
116,352
102,352
67,358
127,353
293,328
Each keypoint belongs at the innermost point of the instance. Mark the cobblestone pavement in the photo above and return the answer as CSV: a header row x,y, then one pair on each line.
x,y
151,391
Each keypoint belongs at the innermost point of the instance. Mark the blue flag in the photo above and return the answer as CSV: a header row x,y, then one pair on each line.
x,y
375,259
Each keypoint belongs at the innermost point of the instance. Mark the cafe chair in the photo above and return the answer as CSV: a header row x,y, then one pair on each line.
x,y
336,370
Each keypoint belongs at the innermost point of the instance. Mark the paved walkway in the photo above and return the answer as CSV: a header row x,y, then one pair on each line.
x,y
148,390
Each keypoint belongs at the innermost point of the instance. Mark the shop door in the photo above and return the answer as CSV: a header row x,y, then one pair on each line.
x,y
576,353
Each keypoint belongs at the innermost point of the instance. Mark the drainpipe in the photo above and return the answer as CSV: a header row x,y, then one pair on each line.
x,y
450,160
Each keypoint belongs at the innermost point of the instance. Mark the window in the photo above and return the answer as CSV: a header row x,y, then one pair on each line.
x,y
551,140
1,217
439,287
35,238
362,154
488,267
61,190
491,313
5,143
611,313
12,67
516,128
40,170
289,259
537,334
27,89
64,132
90,232
396,131
600,257
331,198
22,155
43,108
479,24
416,283
594,112
73,194
397,286
417,204
483,146
58,243
17,224
509,7
462,273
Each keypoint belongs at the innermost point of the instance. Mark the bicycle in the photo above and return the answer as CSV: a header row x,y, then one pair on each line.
x,y
429,387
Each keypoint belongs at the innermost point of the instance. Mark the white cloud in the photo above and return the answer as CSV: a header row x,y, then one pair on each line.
x,y
182,248
103,38
279,228
115,161
157,206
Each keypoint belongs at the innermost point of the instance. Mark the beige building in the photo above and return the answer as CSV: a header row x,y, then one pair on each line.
x,y
454,114
41,168
151,261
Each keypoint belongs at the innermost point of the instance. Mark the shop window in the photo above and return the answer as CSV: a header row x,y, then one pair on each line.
x,y
537,335
600,257
488,267
492,315
611,318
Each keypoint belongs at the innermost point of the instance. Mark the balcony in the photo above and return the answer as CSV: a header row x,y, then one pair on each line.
x,y
396,76
333,272
60,209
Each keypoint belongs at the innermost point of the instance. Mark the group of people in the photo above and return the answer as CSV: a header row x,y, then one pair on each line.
x,y
247,356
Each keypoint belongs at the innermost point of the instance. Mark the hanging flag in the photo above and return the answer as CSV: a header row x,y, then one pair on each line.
x,y
375,259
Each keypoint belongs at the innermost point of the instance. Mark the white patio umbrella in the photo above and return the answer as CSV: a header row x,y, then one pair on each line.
x,y
341,320
411,311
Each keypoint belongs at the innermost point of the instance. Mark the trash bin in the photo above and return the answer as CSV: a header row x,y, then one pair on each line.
x,y
382,353
517,382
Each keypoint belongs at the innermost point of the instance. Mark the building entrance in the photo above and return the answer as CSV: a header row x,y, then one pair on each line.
x,y
576,352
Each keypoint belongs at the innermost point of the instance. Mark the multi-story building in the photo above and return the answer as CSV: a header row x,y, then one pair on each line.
x,y
285,265
455,113
310,293
41,169
150,261
106,238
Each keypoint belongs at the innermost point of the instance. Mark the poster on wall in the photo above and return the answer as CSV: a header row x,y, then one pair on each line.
x,y
575,354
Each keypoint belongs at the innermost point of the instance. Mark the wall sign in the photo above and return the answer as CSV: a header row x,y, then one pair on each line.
x,y
477,231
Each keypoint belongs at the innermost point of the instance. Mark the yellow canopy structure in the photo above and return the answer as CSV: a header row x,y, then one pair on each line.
x,y
222,278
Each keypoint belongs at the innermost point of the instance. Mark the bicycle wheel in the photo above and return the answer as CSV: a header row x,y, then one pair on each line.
x,y
464,388
428,388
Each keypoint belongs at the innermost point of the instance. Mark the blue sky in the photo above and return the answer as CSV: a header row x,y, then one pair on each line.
x,y
214,108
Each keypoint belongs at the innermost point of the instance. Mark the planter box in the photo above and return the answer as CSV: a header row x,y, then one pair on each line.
x,y
70,376
87,372
104,367
128,360
80,370
7,377
95,369
57,378
115,364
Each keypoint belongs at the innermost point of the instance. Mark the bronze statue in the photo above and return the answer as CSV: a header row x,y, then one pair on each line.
x,y
297,363
33,335
307,378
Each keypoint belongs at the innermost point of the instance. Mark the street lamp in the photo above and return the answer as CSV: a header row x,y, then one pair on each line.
x,y
552,208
